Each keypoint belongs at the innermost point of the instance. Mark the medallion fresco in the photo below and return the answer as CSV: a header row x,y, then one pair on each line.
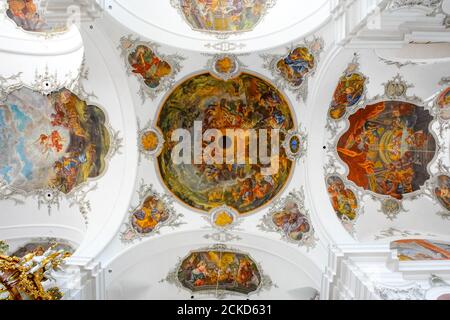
x,y
150,141
388,147
26,15
153,212
421,250
244,102
289,217
156,72
42,246
349,92
55,142
223,17
442,191
443,104
343,199
292,70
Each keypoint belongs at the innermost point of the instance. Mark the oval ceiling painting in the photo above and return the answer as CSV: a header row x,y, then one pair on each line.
x,y
222,16
50,142
388,147
222,142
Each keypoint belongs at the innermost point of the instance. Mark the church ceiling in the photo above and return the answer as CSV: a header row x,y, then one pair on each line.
x,y
224,141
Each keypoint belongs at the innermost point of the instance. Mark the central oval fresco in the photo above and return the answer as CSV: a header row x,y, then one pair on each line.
x,y
242,103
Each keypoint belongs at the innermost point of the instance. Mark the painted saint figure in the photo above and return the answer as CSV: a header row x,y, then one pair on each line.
x,y
296,66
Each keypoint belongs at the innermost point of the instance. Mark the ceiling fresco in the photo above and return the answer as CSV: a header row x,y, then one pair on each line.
x,y
244,102
420,250
443,103
223,17
442,190
343,200
219,271
28,16
28,276
292,70
289,217
388,148
153,212
156,72
51,142
349,92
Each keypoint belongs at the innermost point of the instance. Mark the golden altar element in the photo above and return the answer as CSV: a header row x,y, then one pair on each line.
x,y
24,278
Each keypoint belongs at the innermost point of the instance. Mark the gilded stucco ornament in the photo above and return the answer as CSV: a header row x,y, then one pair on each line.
x,y
396,96
223,220
29,277
156,72
292,70
154,212
291,218
49,86
225,66
295,144
244,276
150,141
